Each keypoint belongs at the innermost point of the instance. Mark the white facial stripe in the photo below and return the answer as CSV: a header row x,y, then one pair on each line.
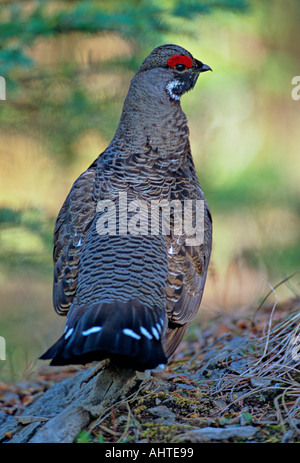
x,y
170,87
94,329
145,333
131,333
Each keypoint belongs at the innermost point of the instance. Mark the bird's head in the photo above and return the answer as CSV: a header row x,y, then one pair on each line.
x,y
173,69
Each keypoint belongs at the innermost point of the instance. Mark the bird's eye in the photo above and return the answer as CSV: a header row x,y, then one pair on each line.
x,y
180,67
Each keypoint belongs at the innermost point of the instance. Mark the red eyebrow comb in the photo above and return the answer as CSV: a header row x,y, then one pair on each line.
x,y
180,59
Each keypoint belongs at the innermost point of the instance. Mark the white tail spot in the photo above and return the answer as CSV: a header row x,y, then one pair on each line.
x,y
155,333
159,327
145,332
131,333
94,329
68,333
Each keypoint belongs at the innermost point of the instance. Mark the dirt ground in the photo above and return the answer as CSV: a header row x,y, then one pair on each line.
x,y
234,379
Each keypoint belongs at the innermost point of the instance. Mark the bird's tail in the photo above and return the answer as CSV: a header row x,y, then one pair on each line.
x,y
129,333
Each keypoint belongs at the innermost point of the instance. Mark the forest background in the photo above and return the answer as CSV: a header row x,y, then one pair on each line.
x,y
67,66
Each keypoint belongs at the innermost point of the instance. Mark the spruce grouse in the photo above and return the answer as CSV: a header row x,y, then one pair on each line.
x,y
128,273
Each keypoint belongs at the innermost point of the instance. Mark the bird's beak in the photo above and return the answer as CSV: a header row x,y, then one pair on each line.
x,y
201,67
205,67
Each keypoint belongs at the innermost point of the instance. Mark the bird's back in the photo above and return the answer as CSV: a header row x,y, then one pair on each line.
x,y
129,280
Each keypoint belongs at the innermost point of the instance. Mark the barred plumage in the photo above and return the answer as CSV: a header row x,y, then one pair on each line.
x,y
130,296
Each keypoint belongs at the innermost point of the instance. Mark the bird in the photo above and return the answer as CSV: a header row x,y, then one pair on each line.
x,y
129,281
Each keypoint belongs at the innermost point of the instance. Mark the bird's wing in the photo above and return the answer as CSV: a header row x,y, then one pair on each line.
x,y
72,224
187,269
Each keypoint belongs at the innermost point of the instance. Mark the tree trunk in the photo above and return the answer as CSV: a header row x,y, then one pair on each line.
x,y
68,407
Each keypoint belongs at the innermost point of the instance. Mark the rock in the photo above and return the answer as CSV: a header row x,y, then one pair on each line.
x,y
30,419
218,434
257,381
287,437
241,365
163,414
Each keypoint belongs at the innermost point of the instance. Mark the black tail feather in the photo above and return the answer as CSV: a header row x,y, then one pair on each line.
x,y
128,333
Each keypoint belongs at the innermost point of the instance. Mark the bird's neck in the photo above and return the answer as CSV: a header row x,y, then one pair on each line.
x,y
152,132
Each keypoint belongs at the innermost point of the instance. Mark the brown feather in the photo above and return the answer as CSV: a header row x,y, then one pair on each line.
x,y
153,283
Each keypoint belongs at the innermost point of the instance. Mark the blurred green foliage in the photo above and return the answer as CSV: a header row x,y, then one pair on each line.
x,y
67,67
143,23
